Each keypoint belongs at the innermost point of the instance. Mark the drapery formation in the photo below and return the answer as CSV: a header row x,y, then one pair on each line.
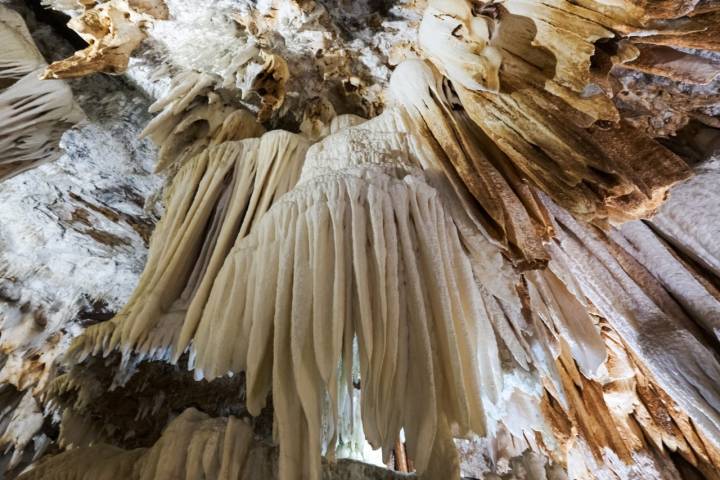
x,y
362,250
192,446
474,260
33,113
213,201
365,207
510,212
369,263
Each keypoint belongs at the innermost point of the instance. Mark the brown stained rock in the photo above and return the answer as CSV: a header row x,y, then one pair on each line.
x,y
507,211
661,420
155,8
668,62
701,32
142,225
589,411
112,30
270,84
598,174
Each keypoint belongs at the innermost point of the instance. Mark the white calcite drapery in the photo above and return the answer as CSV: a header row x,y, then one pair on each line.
x,y
329,264
280,291
347,195
214,199
315,277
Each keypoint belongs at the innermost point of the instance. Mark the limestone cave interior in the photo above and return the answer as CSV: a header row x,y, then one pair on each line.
x,y
359,239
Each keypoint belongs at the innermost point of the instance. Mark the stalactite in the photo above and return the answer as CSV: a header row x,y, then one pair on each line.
x,y
646,318
372,212
272,296
512,216
215,199
193,117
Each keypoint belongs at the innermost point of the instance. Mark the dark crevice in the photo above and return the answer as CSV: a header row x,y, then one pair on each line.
x,y
686,470
695,143
57,21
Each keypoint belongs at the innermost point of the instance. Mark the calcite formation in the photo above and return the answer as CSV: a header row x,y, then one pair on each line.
x,y
453,238
33,114
112,30
194,117
192,446
225,189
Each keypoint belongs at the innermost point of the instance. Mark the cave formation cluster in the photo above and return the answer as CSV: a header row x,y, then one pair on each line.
x,y
305,239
